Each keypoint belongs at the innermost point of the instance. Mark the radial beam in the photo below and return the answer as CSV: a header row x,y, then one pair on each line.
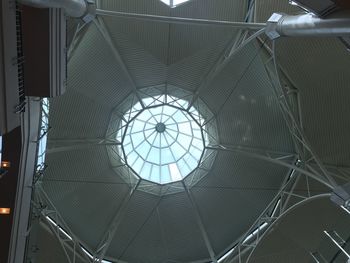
x,y
200,224
181,20
113,227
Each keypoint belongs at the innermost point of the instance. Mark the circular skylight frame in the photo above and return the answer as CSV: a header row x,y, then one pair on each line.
x,y
152,98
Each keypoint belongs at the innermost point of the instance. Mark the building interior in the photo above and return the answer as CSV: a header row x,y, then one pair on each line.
x,y
175,131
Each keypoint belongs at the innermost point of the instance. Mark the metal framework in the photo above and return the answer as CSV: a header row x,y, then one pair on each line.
x,y
153,97
47,212
306,163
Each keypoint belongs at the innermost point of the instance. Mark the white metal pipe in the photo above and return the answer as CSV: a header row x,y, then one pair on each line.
x,y
307,25
310,25
73,8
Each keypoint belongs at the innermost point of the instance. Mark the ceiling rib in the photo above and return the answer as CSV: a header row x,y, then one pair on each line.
x,y
113,226
200,224
103,30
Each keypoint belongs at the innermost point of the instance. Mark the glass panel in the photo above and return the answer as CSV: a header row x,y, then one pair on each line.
x,y
174,172
165,175
154,155
167,156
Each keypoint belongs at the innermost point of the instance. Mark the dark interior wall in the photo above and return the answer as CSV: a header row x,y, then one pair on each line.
x,y
11,151
36,49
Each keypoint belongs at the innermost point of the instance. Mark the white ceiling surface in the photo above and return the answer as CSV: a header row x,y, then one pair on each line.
x,y
88,193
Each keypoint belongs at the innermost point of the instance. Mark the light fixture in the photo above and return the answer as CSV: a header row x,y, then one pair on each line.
x,y
5,164
5,211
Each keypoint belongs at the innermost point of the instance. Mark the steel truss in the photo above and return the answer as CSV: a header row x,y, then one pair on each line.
x,y
308,164
45,211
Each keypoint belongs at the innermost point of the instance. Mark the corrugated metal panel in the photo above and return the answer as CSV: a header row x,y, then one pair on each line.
x,y
158,231
189,72
139,209
70,181
94,72
185,41
233,195
319,69
143,47
251,115
87,118
183,237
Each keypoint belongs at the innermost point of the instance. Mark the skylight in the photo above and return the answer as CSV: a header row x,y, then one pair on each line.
x,y
162,136
163,144
174,3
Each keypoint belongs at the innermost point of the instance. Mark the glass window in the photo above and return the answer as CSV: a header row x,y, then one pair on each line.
x,y
163,143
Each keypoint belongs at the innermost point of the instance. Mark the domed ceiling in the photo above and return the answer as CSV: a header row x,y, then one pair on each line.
x,y
187,220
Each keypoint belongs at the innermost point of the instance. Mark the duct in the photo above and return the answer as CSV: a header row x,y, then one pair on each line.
x,y
73,8
307,25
